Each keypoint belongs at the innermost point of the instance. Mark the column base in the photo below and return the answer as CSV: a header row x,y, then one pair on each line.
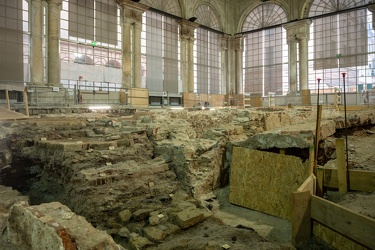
x,y
235,101
49,96
190,100
137,97
305,97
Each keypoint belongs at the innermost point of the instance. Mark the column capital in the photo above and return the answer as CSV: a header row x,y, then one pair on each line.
x,y
131,10
238,42
187,29
224,41
54,2
371,8
298,30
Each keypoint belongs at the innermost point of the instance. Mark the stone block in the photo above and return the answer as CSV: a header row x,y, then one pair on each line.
x,y
189,217
125,216
142,214
54,226
137,242
155,234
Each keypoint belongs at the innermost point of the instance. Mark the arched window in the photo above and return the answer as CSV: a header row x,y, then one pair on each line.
x,y
340,41
169,6
207,51
265,61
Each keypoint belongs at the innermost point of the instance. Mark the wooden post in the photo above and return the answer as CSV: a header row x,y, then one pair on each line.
x,y
301,217
311,159
341,166
26,101
317,136
301,213
7,98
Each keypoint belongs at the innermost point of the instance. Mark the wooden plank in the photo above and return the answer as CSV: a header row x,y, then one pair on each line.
x,y
353,225
308,185
319,182
312,158
334,239
301,217
359,180
317,136
341,166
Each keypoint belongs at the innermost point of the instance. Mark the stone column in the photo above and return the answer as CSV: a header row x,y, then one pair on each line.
x,y
224,66
54,65
132,20
137,54
292,66
183,73
231,66
298,31
187,54
36,58
303,62
190,62
126,54
238,54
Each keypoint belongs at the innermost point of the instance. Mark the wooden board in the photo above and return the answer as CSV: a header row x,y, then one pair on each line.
x,y
301,217
265,181
334,239
353,225
6,114
341,166
359,180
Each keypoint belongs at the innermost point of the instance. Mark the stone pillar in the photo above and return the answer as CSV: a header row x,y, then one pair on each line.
x,y
184,63
36,58
126,54
238,48
224,66
298,31
231,66
190,62
303,62
187,54
54,65
292,66
137,54
131,20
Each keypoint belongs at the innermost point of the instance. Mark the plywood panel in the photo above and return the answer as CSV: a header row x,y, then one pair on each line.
x,y
265,181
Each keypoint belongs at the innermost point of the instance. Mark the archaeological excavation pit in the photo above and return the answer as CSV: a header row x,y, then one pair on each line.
x,y
170,179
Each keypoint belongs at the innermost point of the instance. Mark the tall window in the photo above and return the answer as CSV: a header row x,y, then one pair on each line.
x,y
160,53
207,51
14,41
90,36
341,42
265,59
